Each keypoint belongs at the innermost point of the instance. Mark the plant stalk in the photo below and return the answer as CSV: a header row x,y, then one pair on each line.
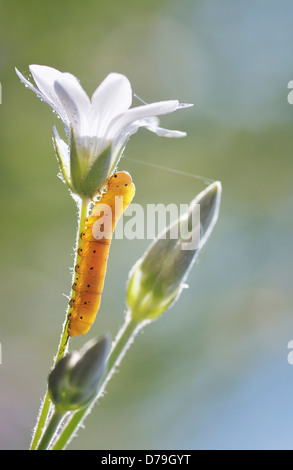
x,y
64,340
50,430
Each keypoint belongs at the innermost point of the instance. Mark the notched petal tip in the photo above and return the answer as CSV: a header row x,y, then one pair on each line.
x,y
185,105
169,133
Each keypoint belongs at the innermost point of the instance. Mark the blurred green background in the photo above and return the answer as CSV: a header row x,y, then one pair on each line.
x,y
212,373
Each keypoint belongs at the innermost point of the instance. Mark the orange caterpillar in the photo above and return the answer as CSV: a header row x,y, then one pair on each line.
x,y
94,252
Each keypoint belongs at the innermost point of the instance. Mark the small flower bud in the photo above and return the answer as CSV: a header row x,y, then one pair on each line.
x,y
75,379
157,279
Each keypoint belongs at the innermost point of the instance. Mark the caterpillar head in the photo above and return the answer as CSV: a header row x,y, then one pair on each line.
x,y
119,179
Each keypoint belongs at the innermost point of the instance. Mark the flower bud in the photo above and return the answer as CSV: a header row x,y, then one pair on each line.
x,y
157,279
75,379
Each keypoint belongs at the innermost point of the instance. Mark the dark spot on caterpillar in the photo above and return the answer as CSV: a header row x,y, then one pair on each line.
x,y
80,318
84,303
94,251
126,184
115,176
88,285
91,268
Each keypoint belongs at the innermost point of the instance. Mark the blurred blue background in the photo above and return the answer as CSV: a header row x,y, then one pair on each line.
x,y
212,372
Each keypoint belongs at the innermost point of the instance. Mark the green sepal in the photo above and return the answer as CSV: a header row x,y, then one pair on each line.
x,y
64,168
143,301
97,175
75,168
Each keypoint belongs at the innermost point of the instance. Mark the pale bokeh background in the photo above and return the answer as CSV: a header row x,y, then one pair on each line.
x,y
212,373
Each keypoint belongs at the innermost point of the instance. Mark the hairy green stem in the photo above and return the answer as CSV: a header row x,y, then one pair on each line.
x,y
50,430
63,344
121,344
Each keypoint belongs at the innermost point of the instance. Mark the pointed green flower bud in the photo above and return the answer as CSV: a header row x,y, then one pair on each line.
x,y
157,279
75,379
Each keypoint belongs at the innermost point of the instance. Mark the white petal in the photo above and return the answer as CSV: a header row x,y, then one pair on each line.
x,y
119,144
111,98
185,105
44,78
29,84
59,110
149,123
141,112
166,132
152,124
75,102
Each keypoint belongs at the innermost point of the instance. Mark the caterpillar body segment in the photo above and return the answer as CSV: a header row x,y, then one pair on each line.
x,y
94,251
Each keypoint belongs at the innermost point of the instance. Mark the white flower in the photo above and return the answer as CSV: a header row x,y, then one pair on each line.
x,y
103,122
